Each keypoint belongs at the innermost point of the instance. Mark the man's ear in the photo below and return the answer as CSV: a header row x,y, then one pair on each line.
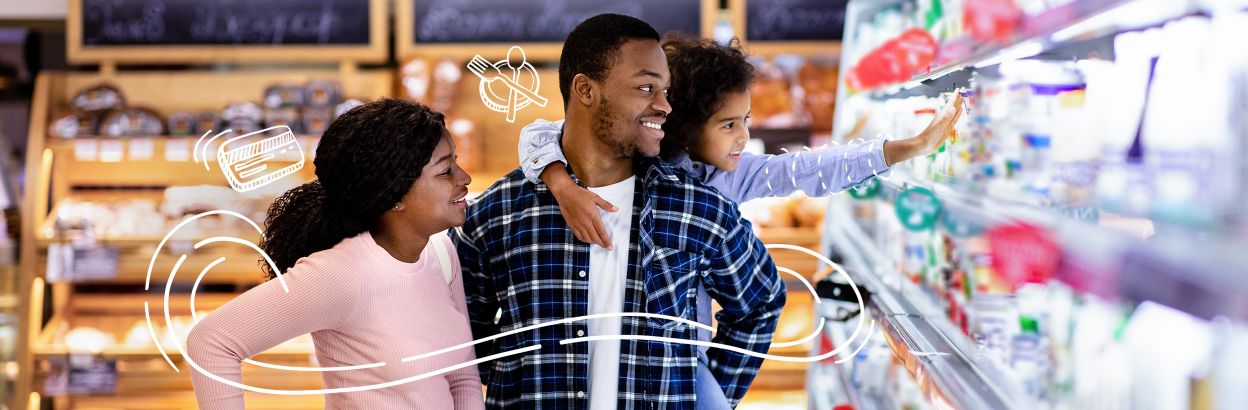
x,y
584,90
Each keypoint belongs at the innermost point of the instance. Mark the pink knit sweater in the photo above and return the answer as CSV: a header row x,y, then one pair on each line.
x,y
361,306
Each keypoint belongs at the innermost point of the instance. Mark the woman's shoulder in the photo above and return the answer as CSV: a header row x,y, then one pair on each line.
x,y
348,255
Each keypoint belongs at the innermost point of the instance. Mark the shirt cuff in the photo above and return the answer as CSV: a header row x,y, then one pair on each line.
x,y
875,158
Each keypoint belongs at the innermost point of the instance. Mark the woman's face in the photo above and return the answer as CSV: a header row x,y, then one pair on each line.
x,y
436,200
724,135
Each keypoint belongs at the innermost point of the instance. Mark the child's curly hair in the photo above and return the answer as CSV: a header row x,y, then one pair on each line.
x,y
703,73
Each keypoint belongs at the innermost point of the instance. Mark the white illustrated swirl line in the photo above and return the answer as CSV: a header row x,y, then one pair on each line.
x,y
191,362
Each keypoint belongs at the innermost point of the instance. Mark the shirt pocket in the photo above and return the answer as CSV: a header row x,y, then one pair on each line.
x,y
670,289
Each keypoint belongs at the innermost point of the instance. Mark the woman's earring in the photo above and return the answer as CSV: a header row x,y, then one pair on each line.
x,y
398,206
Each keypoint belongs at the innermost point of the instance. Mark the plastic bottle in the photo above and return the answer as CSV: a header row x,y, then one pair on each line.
x,y
1117,98
1185,127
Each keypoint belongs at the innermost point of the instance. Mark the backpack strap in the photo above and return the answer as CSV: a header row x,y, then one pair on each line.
x,y
444,259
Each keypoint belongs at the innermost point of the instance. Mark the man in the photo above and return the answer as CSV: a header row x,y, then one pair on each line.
x,y
522,266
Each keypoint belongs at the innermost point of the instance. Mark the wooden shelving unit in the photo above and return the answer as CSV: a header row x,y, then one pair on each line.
x,y
59,170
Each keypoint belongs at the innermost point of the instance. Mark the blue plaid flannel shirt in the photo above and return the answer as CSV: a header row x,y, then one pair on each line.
x,y
520,267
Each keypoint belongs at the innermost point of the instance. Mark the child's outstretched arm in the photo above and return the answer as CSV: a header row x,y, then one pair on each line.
x,y
542,160
825,171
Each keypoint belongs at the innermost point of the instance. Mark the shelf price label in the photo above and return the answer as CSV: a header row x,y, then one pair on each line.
x,y
918,208
112,150
68,263
177,149
958,226
81,374
86,149
141,149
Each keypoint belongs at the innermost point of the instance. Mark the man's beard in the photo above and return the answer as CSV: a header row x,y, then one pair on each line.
x,y
605,125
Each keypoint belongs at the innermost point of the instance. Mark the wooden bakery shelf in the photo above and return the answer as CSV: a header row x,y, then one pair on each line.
x,y
60,168
117,314
105,169
795,236
119,325
804,264
238,268
143,375
153,171
151,384
185,400
150,242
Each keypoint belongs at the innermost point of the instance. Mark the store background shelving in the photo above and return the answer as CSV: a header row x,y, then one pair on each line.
x,y
73,170
104,170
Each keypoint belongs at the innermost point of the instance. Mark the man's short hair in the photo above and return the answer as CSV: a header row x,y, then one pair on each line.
x,y
592,48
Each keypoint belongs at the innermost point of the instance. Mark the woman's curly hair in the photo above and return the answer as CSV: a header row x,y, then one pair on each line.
x,y
366,162
703,73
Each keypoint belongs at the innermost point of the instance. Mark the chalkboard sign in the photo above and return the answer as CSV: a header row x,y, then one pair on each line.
x,y
186,29
513,22
794,20
224,22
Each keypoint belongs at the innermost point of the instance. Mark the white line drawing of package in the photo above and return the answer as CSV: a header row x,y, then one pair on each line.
x,y
246,164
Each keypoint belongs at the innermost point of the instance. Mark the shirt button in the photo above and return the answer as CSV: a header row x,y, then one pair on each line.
x,y
581,273
580,394
580,333
534,160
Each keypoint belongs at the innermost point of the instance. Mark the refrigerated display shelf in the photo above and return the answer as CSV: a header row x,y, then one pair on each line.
x,y
1121,259
943,361
1053,29
1198,274
853,396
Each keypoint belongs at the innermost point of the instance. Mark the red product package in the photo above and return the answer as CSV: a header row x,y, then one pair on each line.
x,y
991,20
1023,253
895,61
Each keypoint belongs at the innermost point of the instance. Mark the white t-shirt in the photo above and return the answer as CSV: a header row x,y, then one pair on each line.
x,y
607,272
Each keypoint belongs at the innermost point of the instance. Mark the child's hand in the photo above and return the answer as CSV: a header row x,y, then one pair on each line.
x,y
927,141
940,128
579,207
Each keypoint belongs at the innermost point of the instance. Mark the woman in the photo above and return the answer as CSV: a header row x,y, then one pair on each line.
x,y
370,273
705,135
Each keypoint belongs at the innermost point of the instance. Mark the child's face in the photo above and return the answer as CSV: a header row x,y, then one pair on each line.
x,y
724,135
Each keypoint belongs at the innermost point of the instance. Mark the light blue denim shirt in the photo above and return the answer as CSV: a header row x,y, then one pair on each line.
x,y
818,172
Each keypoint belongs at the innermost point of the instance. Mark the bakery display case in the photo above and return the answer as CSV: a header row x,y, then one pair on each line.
x,y
119,156
100,204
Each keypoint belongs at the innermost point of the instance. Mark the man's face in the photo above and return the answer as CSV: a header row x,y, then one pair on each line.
x,y
633,105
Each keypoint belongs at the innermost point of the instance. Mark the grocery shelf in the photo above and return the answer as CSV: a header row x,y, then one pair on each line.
x,y
820,397
1071,29
947,366
1198,274
1103,260
1035,32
